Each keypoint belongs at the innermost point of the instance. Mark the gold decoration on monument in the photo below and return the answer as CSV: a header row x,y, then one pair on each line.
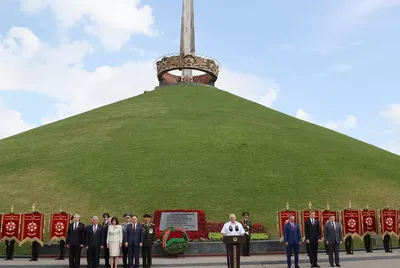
x,y
33,208
287,205
12,209
310,205
194,62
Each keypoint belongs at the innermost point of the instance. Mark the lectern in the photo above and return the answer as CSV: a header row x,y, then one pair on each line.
x,y
233,246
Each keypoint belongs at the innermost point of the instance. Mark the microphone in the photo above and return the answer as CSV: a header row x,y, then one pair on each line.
x,y
237,228
230,229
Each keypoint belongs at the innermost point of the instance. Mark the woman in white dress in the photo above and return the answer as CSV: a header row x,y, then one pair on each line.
x,y
114,241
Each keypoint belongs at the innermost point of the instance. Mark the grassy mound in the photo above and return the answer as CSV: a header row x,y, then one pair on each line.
x,y
191,147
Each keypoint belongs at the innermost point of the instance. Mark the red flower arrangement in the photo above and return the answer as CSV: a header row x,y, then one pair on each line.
x,y
202,232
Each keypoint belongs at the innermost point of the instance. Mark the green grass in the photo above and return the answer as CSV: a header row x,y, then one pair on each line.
x,y
191,147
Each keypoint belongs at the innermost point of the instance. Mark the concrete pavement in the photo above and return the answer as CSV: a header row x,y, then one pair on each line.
x,y
358,260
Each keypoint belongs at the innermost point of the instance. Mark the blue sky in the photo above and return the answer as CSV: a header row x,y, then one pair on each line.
x,y
333,63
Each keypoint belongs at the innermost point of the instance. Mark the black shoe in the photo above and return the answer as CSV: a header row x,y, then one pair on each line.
x,y
316,265
297,266
6,259
338,265
332,265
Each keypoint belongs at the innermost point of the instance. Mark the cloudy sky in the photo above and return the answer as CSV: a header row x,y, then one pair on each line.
x,y
333,63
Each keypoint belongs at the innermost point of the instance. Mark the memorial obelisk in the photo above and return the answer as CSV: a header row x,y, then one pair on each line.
x,y
187,60
187,36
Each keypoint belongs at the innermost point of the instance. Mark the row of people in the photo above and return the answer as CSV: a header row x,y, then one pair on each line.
x,y
131,237
333,236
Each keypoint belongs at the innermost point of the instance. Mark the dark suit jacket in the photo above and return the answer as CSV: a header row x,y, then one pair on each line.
x,y
331,235
77,237
291,236
95,239
312,232
134,238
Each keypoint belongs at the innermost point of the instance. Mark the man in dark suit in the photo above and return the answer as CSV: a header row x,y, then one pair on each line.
x,y
94,242
90,225
9,250
313,237
106,251
333,238
292,239
134,240
127,217
149,237
75,241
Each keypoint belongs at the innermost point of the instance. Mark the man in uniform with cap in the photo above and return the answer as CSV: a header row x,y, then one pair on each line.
x,y
149,237
247,225
106,251
127,217
9,249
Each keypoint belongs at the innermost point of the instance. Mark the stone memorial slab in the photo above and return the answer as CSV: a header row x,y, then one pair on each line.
x,y
185,220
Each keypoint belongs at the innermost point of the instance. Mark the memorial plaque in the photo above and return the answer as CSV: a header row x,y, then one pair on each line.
x,y
185,220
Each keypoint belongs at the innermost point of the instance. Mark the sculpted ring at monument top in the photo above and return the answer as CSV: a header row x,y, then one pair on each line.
x,y
168,63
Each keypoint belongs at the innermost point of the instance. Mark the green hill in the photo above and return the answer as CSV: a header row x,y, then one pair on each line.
x,y
191,147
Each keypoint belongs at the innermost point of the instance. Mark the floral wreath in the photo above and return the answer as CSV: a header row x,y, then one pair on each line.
x,y
174,245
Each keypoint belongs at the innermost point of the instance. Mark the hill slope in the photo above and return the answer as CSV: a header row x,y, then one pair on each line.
x,y
191,147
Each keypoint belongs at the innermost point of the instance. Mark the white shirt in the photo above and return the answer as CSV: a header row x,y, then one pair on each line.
x,y
227,232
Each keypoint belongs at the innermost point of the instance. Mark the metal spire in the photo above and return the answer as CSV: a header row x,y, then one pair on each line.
x,y
187,32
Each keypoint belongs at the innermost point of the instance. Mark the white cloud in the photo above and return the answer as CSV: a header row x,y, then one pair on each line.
x,y
340,68
301,114
11,122
362,8
113,22
394,146
392,113
57,72
248,86
342,125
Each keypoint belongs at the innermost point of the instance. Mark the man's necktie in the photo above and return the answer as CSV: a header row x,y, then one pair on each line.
x,y
134,227
292,226
312,222
95,229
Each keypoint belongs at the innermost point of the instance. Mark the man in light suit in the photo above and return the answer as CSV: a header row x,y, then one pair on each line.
x,y
292,239
333,236
313,237
133,239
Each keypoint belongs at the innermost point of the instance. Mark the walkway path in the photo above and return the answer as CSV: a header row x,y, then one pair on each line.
x,y
359,260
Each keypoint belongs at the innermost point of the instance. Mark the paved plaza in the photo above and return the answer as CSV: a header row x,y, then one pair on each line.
x,y
358,260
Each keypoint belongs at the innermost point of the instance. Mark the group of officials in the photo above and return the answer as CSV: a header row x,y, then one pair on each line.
x,y
108,236
333,237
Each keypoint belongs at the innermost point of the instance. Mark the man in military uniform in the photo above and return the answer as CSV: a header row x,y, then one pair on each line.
x,y
127,217
367,243
149,237
62,242
348,243
387,243
9,250
247,225
106,251
35,248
